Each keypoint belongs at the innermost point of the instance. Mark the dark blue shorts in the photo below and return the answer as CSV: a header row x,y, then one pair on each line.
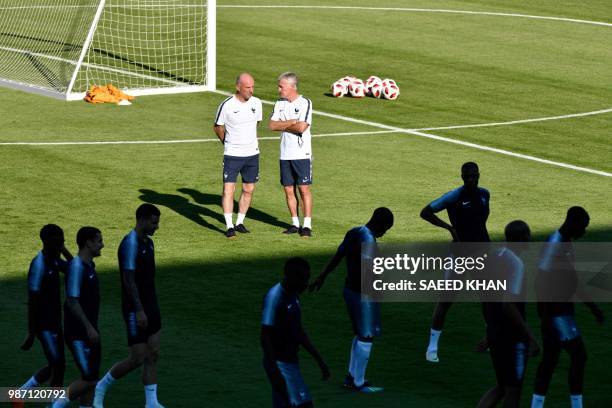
x,y
52,343
364,314
297,392
296,172
248,167
87,358
136,335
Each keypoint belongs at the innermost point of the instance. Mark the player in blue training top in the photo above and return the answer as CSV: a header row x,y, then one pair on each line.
x,y
282,335
557,277
45,306
81,317
139,306
364,314
509,337
468,211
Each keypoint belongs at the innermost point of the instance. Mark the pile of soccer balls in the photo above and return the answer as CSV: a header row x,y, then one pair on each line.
x,y
374,87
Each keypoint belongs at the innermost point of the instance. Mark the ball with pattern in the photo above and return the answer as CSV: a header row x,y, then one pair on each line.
x,y
339,89
357,89
375,89
391,91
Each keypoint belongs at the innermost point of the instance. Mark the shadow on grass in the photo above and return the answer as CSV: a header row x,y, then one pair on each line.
x,y
201,212
214,199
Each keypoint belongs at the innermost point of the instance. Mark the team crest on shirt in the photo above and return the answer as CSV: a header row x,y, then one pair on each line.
x,y
297,110
253,110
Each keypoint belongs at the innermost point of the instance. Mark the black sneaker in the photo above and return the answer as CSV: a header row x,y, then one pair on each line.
x,y
349,381
291,230
241,229
305,232
230,233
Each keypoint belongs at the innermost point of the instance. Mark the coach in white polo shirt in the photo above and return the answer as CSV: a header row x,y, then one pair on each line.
x,y
292,116
236,126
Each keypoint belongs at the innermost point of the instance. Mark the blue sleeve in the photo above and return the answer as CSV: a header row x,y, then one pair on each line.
x,y
550,252
74,279
270,305
368,244
128,251
516,273
36,273
445,201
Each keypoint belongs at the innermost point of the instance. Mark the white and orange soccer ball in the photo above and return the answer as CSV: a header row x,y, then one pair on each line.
x,y
339,89
391,91
357,89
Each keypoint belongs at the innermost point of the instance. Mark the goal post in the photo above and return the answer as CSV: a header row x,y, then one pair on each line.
x,y
60,48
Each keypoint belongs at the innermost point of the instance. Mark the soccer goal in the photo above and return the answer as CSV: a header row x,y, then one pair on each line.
x,y
60,48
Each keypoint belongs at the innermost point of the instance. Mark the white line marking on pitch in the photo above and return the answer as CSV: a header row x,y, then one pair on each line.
x,y
422,10
178,141
515,122
453,141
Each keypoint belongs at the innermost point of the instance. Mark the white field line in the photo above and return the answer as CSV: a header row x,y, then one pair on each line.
x,y
421,10
515,122
453,141
178,141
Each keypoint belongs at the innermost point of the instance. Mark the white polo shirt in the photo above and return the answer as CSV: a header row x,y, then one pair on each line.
x,y
292,146
240,121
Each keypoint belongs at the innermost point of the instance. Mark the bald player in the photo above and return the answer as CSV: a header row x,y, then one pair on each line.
x,y
236,127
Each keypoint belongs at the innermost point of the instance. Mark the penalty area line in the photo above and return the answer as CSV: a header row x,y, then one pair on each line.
x,y
179,141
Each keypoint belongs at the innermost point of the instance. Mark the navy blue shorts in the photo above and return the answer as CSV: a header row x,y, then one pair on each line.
x,y
509,362
565,328
297,392
87,358
52,343
296,172
364,314
248,167
136,335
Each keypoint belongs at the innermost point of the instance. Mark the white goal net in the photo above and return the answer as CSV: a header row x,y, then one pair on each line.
x,y
62,47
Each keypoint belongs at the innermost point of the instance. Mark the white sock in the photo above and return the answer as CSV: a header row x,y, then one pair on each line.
x,y
295,221
240,219
352,360
307,222
576,401
362,355
433,340
31,383
151,395
104,383
228,220
537,401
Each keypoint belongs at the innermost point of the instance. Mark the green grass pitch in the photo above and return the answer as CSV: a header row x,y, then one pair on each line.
x,y
453,69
